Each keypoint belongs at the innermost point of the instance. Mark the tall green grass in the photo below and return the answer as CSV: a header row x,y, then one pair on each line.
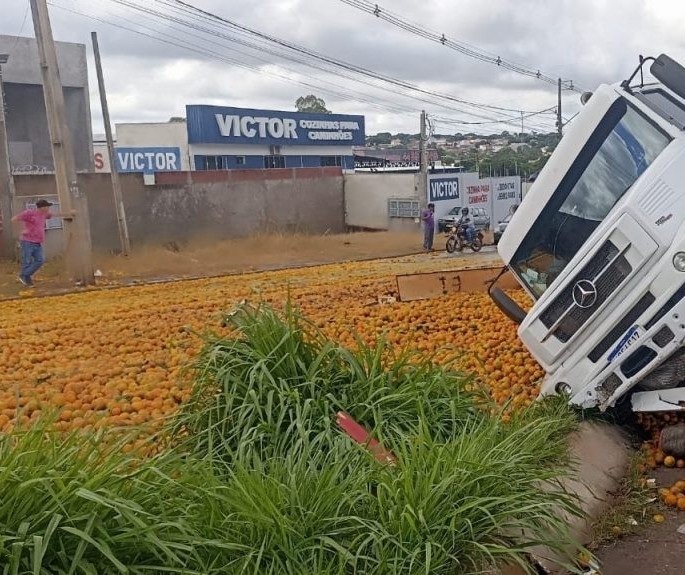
x,y
278,385
469,491
76,504
258,479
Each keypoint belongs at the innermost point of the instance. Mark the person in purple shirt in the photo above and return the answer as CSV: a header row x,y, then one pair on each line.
x,y
428,218
32,238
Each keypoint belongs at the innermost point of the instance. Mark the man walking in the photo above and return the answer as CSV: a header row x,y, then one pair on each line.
x,y
428,217
32,238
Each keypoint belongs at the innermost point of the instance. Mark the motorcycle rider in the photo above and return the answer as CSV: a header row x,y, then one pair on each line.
x,y
465,221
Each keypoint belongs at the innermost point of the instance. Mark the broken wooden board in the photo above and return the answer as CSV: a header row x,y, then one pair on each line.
x,y
437,284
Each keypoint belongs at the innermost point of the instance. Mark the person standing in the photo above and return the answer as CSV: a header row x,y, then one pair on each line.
x,y
32,238
428,217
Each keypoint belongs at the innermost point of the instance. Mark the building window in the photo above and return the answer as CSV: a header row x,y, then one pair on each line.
x,y
274,161
200,163
212,163
401,208
240,160
331,161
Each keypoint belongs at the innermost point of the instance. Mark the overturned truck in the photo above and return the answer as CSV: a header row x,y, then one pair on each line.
x,y
599,244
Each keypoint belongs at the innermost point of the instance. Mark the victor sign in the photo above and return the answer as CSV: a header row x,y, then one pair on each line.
x,y
148,160
443,189
221,125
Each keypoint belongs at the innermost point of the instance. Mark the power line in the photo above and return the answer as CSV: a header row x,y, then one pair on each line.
x,y
179,43
261,49
174,39
328,59
203,29
21,28
462,47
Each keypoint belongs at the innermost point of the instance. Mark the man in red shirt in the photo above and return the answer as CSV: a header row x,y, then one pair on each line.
x,y
32,238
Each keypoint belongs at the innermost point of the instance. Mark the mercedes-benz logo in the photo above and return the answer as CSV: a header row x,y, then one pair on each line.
x,y
584,294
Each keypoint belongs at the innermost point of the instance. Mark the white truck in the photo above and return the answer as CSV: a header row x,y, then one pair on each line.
x,y
599,244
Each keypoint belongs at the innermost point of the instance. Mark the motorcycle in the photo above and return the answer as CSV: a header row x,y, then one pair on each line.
x,y
456,239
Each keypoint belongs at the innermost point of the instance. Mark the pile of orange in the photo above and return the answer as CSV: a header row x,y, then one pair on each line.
x,y
674,496
115,357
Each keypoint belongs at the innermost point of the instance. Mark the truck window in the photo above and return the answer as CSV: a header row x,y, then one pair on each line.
x,y
620,149
663,104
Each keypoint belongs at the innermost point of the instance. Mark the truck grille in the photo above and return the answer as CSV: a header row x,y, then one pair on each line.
x,y
607,270
663,337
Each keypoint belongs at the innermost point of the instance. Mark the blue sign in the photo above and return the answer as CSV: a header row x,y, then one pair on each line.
x,y
220,125
148,160
443,189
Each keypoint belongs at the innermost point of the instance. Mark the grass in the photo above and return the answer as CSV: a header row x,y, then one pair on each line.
x,y
629,507
278,387
77,503
257,477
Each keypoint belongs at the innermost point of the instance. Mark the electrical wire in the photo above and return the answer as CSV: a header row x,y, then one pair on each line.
x,y
321,57
21,28
145,9
176,41
149,11
462,47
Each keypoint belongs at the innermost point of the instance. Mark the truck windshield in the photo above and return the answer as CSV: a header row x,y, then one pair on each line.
x,y
620,149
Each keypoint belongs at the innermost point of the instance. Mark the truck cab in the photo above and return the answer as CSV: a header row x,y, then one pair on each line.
x,y
599,245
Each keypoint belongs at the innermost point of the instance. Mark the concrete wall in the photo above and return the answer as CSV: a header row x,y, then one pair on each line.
x,y
23,66
214,205
27,126
366,200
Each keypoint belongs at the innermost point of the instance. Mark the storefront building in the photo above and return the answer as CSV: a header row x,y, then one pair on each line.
x,y
222,138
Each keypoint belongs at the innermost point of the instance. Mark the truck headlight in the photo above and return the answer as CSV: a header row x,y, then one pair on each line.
x,y
679,261
562,388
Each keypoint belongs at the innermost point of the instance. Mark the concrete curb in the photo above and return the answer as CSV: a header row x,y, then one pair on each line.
x,y
601,454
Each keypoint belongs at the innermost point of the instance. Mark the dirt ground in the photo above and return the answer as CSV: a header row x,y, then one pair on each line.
x,y
658,549
200,257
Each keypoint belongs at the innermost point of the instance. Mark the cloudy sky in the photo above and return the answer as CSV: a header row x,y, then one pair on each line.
x,y
151,75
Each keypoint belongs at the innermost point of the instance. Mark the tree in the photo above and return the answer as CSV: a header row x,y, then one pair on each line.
x,y
311,103
379,139
176,120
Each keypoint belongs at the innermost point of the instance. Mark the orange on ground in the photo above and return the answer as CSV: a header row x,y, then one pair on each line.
x,y
116,357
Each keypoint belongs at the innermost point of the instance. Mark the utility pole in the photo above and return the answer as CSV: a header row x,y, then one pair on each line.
x,y
6,179
522,122
77,231
559,123
423,163
116,186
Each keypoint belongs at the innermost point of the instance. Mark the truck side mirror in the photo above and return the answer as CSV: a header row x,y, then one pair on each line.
x,y
669,73
507,305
